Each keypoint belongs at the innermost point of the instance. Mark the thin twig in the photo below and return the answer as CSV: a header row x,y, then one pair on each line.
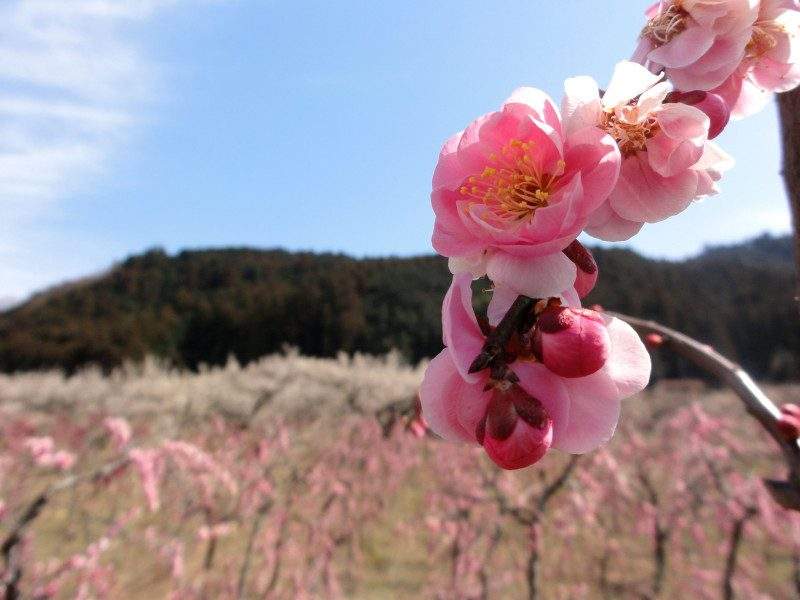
x,y
737,536
496,341
559,482
757,403
261,513
10,550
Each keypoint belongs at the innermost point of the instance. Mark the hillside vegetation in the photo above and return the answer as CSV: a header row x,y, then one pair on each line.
x,y
203,306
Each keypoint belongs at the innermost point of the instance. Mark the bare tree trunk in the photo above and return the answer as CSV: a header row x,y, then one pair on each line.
x,y
789,105
532,571
737,535
660,539
484,578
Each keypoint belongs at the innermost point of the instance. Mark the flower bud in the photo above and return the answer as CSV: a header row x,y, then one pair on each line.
x,y
587,270
654,340
516,431
789,422
713,105
571,342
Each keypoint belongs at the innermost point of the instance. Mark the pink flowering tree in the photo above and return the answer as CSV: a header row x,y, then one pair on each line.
x,y
514,189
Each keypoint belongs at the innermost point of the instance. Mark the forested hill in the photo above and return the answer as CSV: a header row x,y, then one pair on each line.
x,y
201,306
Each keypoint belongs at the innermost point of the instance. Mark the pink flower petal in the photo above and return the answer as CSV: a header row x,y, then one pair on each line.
x,y
541,277
679,143
543,107
684,49
629,363
628,81
581,106
460,329
450,236
716,65
593,414
441,392
607,225
596,155
642,195
448,172
502,299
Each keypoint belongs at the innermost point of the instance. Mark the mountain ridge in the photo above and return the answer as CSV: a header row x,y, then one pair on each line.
x,y
200,306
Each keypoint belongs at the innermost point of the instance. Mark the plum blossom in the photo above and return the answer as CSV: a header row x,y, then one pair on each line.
x,y
770,63
518,416
514,189
44,454
698,43
667,161
119,430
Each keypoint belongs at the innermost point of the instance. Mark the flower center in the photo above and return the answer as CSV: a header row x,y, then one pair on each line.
x,y
631,137
663,28
512,186
763,39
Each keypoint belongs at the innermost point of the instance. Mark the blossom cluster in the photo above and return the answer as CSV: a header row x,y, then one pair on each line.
x,y
514,190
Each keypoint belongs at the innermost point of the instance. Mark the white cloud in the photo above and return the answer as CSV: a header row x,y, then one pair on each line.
x,y
74,83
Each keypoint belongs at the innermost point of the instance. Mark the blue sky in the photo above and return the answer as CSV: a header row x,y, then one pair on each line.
x,y
126,124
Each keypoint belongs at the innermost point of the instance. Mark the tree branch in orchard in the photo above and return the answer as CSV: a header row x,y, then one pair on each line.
x,y
10,550
789,110
786,493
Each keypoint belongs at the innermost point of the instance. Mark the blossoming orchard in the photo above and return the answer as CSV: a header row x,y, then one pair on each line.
x,y
297,477
513,190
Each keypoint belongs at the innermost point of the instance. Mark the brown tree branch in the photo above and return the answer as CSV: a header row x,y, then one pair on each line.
x,y
496,340
734,544
10,550
789,110
785,493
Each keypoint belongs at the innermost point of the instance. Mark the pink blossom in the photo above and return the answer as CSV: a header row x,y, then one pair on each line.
x,y
514,189
120,431
699,43
150,465
39,446
61,460
582,412
43,451
668,161
217,531
770,63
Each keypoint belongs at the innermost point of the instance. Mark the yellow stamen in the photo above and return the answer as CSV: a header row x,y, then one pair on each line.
x,y
663,28
513,188
631,137
763,39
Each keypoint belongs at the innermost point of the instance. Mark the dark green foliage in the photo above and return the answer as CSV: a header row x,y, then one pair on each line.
x,y
202,306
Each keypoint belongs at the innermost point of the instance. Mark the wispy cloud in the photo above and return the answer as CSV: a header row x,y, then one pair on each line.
x,y
74,82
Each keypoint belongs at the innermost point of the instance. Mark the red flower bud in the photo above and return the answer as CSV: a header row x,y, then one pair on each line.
x,y
571,342
713,105
587,271
654,340
789,422
516,431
